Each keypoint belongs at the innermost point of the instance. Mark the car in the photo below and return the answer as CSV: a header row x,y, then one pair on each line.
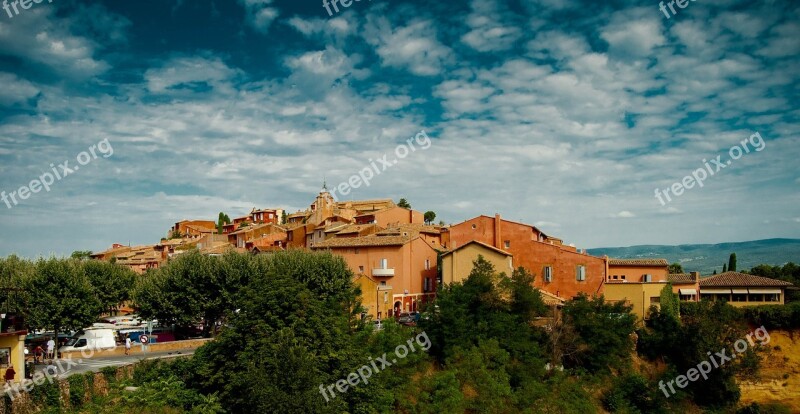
x,y
408,319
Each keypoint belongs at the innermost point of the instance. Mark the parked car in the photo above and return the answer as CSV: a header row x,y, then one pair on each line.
x,y
408,319
90,339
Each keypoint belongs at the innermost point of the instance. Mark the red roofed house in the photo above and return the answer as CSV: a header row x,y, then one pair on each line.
x,y
741,289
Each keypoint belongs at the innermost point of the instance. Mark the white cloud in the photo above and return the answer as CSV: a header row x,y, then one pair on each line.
x,y
624,214
414,46
259,14
491,30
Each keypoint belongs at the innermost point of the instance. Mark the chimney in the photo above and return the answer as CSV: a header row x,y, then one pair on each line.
x,y
497,236
695,276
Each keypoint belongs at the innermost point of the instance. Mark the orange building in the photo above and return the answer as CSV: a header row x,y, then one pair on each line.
x,y
396,272
637,270
391,216
192,228
558,269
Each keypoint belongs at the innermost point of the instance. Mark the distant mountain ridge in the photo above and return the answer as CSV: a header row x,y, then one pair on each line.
x,y
705,258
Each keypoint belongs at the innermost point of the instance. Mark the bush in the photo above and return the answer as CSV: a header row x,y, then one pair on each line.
x,y
77,390
630,393
774,316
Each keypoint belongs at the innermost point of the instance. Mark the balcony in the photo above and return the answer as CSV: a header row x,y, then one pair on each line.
x,y
382,272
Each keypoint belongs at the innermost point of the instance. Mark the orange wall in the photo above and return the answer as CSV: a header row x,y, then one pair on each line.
x,y
635,273
408,262
534,255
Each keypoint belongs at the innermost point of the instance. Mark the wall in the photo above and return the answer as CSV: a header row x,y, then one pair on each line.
x,y
17,345
637,294
534,255
635,273
457,265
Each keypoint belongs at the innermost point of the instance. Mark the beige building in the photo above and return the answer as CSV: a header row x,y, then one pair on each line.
x,y
639,294
458,263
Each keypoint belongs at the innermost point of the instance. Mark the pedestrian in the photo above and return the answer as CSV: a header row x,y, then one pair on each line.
x,y
10,374
127,344
51,348
38,355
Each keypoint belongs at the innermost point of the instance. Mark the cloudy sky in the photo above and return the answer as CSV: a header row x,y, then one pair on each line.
x,y
559,113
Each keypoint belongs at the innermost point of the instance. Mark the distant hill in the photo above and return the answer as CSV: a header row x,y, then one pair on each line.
x,y
707,257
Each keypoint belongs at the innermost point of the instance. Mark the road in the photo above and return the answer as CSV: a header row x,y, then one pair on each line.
x,y
64,368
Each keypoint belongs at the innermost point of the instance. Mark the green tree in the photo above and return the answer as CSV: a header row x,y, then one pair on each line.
x,y
112,284
429,217
61,296
724,267
222,220
193,288
675,268
403,203
603,332
670,303
291,333
732,263
81,254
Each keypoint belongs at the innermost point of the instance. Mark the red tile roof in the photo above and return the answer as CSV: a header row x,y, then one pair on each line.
x,y
736,279
488,246
638,262
680,278
365,241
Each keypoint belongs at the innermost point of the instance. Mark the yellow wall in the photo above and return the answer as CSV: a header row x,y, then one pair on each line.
x,y
17,345
457,265
372,299
637,294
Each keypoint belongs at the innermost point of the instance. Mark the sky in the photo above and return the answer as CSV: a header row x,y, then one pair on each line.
x,y
564,114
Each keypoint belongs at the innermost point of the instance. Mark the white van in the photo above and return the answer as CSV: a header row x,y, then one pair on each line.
x,y
90,339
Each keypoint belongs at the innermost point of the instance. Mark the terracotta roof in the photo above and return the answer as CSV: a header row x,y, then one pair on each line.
x,y
680,278
356,228
736,279
638,262
551,299
365,241
488,246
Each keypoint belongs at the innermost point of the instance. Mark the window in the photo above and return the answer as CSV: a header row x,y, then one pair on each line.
x,y
580,273
772,297
615,277
474,227
361,269
622,277
427,265
507,243
5,357
655,299
739,297
426,286
356,251
548,273
384,263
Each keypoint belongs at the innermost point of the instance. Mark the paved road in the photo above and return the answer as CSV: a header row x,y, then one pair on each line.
x,y
80,365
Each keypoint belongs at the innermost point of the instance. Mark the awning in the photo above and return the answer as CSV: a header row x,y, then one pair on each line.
x,y
687,291
739,291
765,291
715,291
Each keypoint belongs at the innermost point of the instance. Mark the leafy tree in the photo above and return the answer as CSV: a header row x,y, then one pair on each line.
x,y
670,303
222,220
14,274
81,254
61,296
193,288
112,284
403,203
675,268
732,262
289,335
429,217
175,234
603,331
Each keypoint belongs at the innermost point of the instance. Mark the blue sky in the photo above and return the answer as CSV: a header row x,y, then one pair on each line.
x,y
563,114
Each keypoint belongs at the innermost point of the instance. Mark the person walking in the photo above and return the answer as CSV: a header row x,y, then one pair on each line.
x,y
127,344
38,355
51,348
10,374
